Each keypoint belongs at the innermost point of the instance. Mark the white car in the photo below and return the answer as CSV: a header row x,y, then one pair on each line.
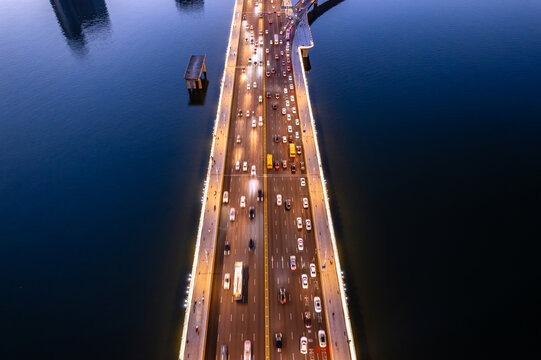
x,y
304,281
289,129
287,103
227,281
292,98
299,223
260,98
243,201
279,200
313,270
247,350
308,224
237,165
247,113
303,182
283,111
225,198
292,262
266,31
293,110
261,121
317,304
285,90
304,345
248,86
291,86
284,139
245,166
290,77
288,117
255,84
300,244
322,339
254,123
296,134
305,203
232,214
297,122
253,170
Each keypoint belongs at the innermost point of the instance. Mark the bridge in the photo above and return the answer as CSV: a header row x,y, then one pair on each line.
x,y
266,277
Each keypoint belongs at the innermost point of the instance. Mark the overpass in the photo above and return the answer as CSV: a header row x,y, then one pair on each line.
x,y
266,273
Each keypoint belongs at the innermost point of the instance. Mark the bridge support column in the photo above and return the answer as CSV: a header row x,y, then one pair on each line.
x,y
188,83
304,53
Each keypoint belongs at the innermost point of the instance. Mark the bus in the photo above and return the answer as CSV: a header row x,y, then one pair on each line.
x,y
237,283
269,161
292,150
275,39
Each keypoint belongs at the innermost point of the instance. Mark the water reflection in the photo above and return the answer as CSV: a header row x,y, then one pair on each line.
x,y
81,20
197,96
190,6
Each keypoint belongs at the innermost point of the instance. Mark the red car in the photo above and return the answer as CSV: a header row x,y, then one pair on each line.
x,y
270,21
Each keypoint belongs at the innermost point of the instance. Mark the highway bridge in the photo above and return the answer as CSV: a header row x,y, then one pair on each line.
x,y
266,279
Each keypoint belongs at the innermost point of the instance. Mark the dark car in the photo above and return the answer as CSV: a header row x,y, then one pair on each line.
x,y
277,96
307,319
290,139
298,150
243,17
276,138
259,195
288,204
283,298
274,107
268,94
302,165
251,215
289,68
273,70
293,168
278,337
277,165
251,244
227,248
240,113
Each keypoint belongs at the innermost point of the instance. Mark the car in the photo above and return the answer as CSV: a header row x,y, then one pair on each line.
x,y
244,18
254,123
302,165
290,138
276,57
245,166
251,214
225,197
288,204
289,128
260,99
274,106
278,199
243,201
317,304
251,244
282,296
299,150
261,121
313,270
284,139
290,86
322,339
289,68
261,31
304,281
299,223
305,203
307,319
237,165
232,214
289,62
303,182
247,113
251,27
289,77
277,165
281,42
288,117
292,98
283,111
270,21
227,281
296,134
304,345
266,32
308,224
253,170
284,164
259,195
268,95
293,169
255,84
283,63
240,113
300,244
276,138
287,103
248,86
239,139
266,50
292,262
282,52
294,110
297,122
247,350
249,62
278,337
273,70
284,74
277,96
267,74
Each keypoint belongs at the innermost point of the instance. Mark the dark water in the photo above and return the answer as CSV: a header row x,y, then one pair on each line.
x,y
432,107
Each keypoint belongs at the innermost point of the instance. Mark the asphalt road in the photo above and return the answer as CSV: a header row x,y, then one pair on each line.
x,y
231,322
